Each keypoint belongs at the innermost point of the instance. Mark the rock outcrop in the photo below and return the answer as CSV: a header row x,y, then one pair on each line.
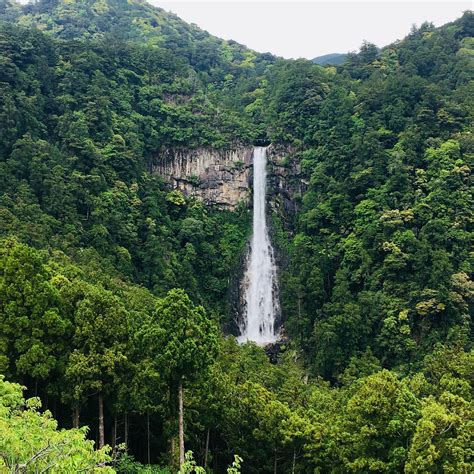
x,y
223,177
217,177
286,183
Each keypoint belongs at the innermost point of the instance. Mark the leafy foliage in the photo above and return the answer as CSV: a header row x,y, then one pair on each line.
x,y
31,442
113,285
384,230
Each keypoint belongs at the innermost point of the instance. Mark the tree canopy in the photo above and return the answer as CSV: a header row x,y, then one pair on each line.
x,y
116,290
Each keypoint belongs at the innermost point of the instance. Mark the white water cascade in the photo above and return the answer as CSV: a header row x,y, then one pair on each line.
x,y
260,280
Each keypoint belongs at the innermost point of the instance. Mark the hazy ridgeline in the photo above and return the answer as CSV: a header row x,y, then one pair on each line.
x,y
114,287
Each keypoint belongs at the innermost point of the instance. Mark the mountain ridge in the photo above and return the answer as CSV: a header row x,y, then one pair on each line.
x,y
129,20
117,288
333,59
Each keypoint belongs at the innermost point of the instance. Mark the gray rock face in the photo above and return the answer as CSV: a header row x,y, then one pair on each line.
x,y
286,182
223,178
217,177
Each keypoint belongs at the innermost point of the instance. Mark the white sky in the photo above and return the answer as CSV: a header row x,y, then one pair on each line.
x,y
312,28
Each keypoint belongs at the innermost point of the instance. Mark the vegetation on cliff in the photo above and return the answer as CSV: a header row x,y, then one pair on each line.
x,y
376,288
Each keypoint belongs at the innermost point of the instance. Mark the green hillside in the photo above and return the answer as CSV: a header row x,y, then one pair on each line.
x,y
333,59
115,289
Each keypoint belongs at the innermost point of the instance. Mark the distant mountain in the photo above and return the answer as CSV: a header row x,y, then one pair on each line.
x,y
114,117
332,58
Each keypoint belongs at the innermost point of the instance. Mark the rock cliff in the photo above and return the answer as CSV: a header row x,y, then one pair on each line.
x,y
220,178
286,182
223,177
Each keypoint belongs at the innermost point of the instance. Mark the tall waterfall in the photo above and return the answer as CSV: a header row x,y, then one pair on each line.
x,y
260,279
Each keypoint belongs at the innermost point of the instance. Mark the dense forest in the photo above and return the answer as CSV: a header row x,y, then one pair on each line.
x,y
114,287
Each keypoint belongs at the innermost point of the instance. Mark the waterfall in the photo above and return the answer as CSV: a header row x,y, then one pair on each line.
x,y
260,280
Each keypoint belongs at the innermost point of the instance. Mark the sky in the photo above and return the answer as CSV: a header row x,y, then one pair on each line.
x,y
312,28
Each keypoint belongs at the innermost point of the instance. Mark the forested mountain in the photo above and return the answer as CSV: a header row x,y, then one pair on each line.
x,y
333,59
114,287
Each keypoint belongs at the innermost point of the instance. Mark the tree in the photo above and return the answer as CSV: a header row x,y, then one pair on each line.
x,y
189,344
380,420
31,442
32,326
145,387
443,437
101,332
